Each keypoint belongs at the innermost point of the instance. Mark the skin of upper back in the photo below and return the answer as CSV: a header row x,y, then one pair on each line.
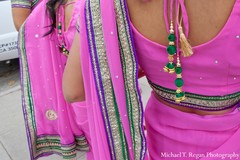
x,y
206,19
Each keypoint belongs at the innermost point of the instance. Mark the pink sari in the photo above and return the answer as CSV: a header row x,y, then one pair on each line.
x,y
173,134
110,71
53,126
115,111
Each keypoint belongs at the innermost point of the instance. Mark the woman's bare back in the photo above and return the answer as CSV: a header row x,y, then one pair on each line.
x,y
206,20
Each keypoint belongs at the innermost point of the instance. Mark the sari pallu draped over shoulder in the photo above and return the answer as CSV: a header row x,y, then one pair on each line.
x,y
50,124
110,72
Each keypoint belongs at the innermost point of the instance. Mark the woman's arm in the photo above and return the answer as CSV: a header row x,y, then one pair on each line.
x,y
73,87
19,16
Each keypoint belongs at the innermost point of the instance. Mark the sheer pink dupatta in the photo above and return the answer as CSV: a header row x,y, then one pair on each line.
x,y
50,126
109,68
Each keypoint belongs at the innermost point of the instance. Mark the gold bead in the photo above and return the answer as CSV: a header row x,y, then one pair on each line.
x,y
166,69
179,76
171,43
171,71
183,98
170,58
178,100
179,90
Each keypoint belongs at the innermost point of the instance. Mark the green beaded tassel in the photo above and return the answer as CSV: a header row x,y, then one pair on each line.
x,y
62,48
65,51
59,28
180,95
171,49
171,67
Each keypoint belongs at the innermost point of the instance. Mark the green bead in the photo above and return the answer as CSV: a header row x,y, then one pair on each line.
x,y
170,65
178,70
179,82
59,27
179,95
171,37
171,50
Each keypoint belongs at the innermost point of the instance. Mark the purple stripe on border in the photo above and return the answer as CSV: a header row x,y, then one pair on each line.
x,y
136,77
43,135
29,138
98,70
20,6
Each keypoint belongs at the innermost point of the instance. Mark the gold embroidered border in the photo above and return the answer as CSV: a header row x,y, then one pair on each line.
x,y
104,84
198,101
129,62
